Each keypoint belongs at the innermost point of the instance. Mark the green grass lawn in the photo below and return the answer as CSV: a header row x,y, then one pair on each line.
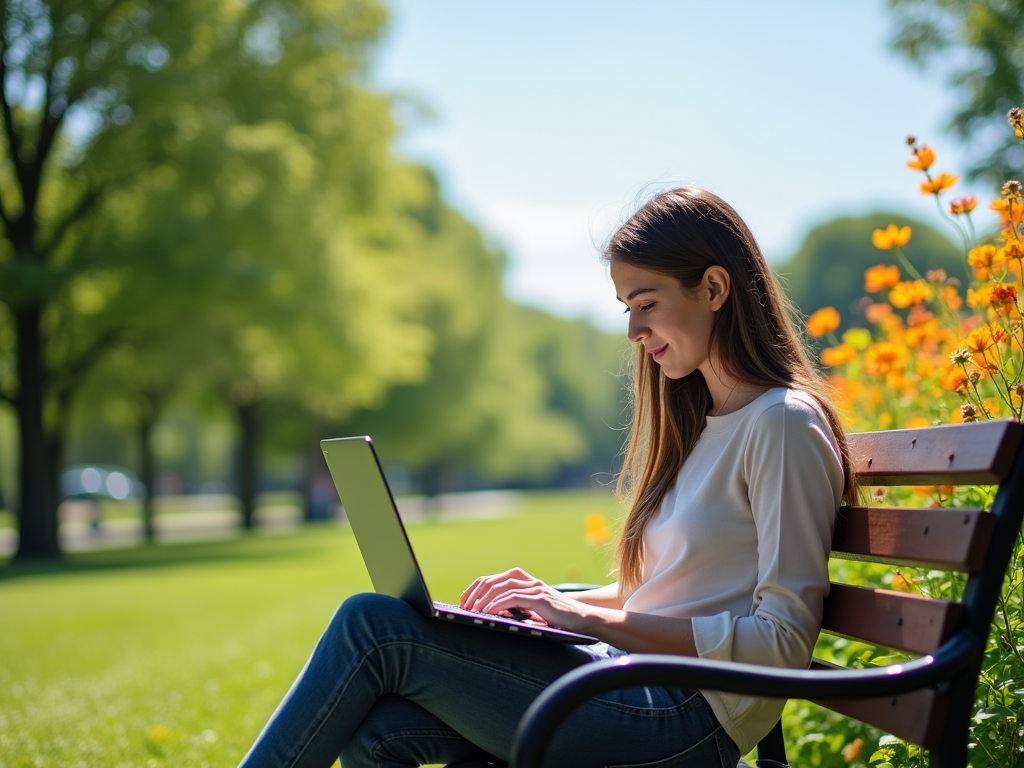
x,y
175,655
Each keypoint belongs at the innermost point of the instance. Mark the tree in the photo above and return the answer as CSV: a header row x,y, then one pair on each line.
x,y
512,393
102,101
828,269
980,44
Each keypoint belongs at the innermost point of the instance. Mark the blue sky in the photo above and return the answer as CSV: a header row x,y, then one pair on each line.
x,y
551,119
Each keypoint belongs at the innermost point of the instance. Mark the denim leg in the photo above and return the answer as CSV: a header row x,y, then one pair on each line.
x,y
478,684
398,733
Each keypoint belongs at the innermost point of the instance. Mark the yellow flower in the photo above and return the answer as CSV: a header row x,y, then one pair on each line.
x,y
1004,208
909,293
836,356
939,184
880,277
981,297
890,237
596,527
825,320
986,259
886,357
924,158
858,338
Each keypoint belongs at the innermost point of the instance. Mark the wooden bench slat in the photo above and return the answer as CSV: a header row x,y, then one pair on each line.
x,y
891,619
953,454
917,717
952,539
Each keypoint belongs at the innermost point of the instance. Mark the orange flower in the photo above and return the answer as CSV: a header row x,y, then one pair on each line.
x,y
1003,208
924,157
939,184
880,277
982,339
981,297
909,293
825,320
1003,294
890,237
963,205
919,333
886,357
986,259
953,379
852,750
1013,250
836,356
952,297
875,312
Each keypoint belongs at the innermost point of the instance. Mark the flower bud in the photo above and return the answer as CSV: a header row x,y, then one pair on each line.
x,y
968,412
1012,189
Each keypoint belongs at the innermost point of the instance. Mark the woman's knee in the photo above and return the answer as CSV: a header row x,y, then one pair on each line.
x,y
370,615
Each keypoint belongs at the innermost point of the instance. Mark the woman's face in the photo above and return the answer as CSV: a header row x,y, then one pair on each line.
x,y
673,324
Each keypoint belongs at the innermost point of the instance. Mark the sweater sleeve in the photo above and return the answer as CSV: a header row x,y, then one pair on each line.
x,y
795,483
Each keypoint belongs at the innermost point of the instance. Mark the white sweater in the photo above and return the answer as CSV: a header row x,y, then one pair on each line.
x,y
741,545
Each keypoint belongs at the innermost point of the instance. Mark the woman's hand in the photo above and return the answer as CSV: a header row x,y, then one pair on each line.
x,y
518,589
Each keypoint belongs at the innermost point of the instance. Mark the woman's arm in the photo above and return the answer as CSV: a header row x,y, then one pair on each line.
x,y
601,597
599,613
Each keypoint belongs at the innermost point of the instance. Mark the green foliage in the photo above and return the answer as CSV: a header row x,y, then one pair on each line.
x,y
980,45
828,269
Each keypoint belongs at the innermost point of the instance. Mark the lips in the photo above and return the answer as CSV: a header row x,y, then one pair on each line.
x,y
656,354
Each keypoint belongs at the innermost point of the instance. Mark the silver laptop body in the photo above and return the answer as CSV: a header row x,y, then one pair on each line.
x,y
385,547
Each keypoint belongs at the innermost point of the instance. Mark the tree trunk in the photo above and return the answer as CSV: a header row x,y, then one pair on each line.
x,y
37,507
249,424
149,409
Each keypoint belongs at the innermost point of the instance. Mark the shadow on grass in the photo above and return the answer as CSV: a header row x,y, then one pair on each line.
x,y
249,547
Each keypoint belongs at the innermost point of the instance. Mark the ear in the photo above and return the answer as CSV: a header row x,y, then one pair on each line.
x,y
716,286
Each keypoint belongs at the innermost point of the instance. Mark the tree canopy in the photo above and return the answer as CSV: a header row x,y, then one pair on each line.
x,y
979,44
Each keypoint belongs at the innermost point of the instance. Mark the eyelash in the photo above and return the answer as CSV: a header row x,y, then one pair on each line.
x,y
642,308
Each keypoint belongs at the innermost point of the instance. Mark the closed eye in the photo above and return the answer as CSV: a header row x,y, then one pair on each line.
x,y
642,308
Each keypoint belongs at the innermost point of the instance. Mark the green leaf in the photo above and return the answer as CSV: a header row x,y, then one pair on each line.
x,y
997,712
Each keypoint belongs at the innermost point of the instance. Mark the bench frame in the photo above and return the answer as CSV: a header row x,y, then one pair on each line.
x,y
984,453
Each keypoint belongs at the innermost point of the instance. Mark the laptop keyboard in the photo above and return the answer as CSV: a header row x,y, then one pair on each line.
x,y
450,607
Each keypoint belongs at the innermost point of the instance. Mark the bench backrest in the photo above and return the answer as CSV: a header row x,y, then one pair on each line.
x,y
972,541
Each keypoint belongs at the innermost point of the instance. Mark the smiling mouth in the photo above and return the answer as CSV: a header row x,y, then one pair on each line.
x,y
656,354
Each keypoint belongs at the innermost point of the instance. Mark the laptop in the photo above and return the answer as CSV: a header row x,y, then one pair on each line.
x,y
385,546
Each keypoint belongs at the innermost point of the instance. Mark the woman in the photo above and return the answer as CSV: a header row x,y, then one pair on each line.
x,y
735,467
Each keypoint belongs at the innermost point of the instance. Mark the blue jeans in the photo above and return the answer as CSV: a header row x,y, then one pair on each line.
x,y
386,687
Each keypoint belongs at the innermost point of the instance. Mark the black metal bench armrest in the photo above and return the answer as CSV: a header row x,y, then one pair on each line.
x,y
571,690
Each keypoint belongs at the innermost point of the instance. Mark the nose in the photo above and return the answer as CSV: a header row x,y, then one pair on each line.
x,y
637,330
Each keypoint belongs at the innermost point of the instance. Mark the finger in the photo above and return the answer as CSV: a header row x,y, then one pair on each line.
x,y
528,599
496,590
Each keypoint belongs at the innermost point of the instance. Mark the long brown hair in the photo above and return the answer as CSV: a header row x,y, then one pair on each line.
x,y
680,233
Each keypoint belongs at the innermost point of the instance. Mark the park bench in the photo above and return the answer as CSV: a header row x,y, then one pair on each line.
x,y
927,701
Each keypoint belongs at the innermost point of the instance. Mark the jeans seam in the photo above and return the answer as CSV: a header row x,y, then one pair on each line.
x,y
420,733
326,712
